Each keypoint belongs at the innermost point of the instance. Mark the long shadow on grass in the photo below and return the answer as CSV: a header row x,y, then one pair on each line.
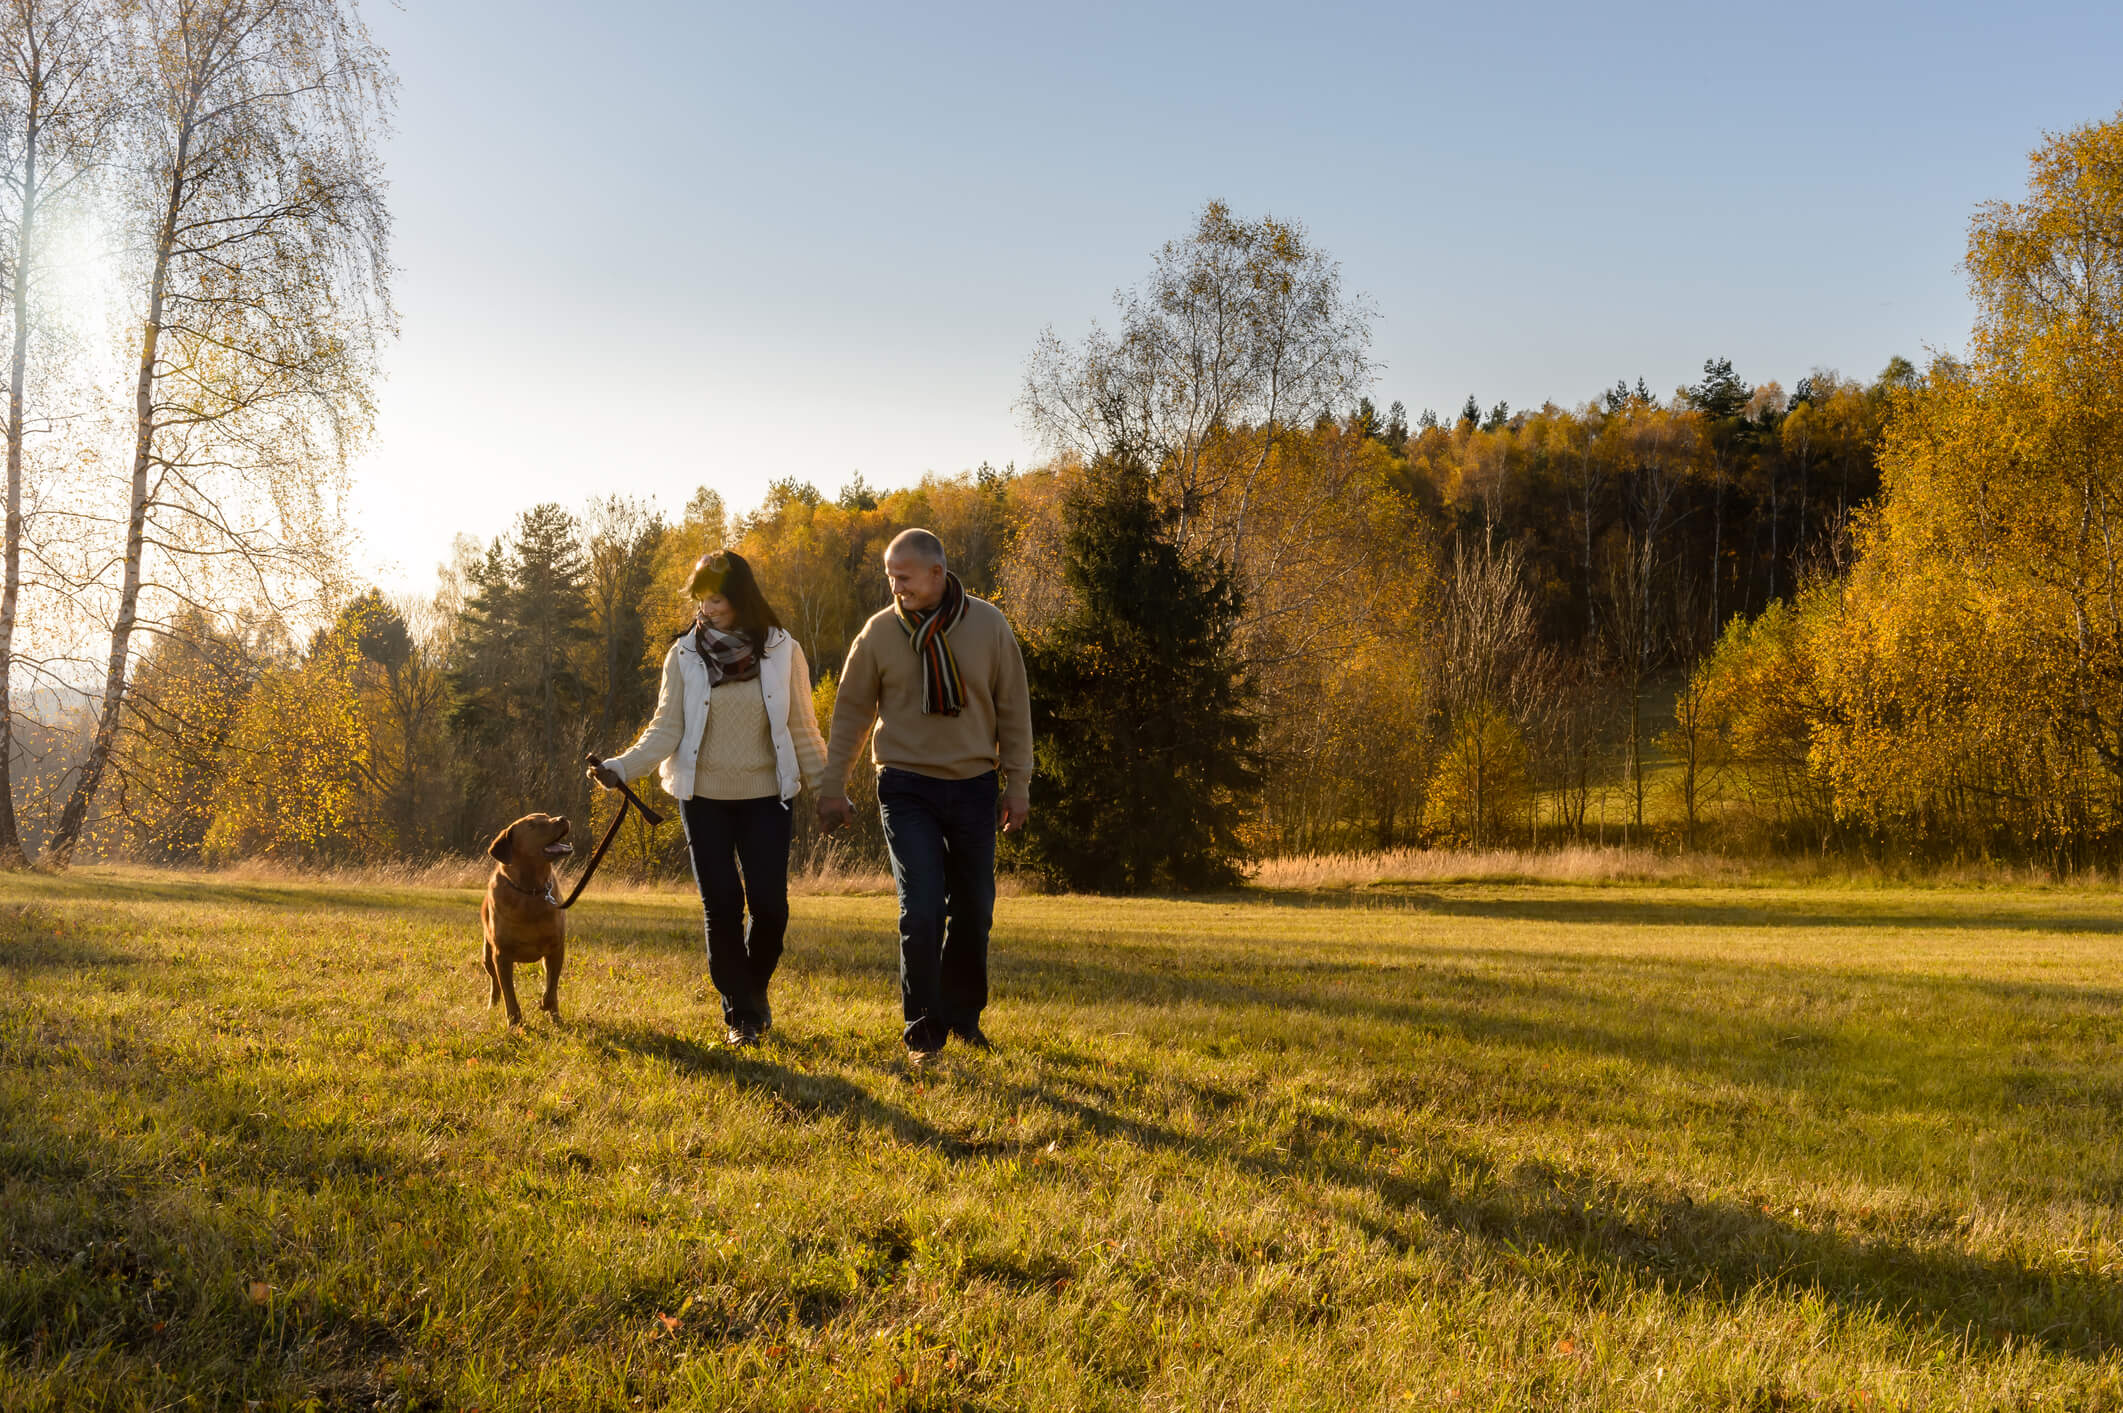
x,y
23,950
1583,1234
800,1095
1677,1014
129,1207
1587,1236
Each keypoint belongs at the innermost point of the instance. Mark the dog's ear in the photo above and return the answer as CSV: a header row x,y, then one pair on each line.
x,y
500,848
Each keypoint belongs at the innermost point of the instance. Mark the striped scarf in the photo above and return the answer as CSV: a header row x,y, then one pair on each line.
x,y
943,691
730,657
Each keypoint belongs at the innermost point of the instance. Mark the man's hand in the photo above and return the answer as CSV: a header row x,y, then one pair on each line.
x,y
597,772
1012,813
834,811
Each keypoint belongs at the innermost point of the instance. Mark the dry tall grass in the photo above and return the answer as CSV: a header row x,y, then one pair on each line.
x,y
1574,864
830,873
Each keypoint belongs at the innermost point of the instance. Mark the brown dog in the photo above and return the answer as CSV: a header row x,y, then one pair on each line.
x,y
521,912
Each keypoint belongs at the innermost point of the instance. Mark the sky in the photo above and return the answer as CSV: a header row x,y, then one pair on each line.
x,y
644,247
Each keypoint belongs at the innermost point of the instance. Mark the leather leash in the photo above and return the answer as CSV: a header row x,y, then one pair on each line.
x,y
611,832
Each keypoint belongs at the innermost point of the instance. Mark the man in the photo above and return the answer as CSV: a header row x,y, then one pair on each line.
x,y
940,675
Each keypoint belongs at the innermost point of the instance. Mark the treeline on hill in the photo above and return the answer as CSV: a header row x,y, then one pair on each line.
x,y
1875,616
1436,624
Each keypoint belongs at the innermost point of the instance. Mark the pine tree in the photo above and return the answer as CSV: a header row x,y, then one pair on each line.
x,y
1146,749
521,701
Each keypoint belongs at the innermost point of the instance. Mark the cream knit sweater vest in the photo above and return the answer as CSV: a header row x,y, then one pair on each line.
x,y
737,753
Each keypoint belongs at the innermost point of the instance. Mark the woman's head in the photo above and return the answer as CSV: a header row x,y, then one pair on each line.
x,y
728,597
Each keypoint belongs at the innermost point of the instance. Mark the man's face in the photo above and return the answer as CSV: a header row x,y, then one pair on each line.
x,y
917,583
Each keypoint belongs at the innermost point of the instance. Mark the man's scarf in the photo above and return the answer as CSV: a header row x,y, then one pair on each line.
x,y
729,656
943,691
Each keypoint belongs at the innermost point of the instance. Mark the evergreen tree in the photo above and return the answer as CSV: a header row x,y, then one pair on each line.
x,y
520,699
1721,395
1139,707
1365,421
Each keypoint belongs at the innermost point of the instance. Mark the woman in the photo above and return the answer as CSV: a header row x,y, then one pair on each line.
x,y
733,732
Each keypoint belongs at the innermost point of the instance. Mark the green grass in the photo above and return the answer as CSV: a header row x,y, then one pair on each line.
x,y
1467,1146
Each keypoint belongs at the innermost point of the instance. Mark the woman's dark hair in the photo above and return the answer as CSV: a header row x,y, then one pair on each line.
x,y
726,573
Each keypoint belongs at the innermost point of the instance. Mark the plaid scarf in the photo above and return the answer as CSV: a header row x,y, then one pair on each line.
x,y
729,656
943,691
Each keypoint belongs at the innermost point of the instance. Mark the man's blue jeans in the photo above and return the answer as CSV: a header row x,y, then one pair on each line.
x,y
942,837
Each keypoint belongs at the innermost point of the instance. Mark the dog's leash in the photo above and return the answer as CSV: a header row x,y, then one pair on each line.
x,y
629,798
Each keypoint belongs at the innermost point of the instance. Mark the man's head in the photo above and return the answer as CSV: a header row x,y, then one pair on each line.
x,y
914,565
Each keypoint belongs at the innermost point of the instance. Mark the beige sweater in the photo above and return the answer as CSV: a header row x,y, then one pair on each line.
x,y
881,685
736,759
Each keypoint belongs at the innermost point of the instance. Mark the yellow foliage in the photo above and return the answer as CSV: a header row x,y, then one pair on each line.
x,y
1480,793
296,765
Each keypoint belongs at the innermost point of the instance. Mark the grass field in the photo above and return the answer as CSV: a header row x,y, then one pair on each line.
x,y
1440,1145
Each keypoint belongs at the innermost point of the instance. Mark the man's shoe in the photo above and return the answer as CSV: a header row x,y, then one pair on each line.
x,y
921,1059
741,1035
973,1035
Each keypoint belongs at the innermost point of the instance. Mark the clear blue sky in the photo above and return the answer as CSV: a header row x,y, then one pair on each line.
x,y
649,246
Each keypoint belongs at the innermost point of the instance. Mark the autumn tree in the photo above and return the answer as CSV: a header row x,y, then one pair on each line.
x,y
182,713
1489,660
624,540
297,782
702,527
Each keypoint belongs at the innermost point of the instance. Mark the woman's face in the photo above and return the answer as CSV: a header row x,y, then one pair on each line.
x,y
716,609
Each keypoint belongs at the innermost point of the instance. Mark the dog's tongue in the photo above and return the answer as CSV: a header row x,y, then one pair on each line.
x,y
559,850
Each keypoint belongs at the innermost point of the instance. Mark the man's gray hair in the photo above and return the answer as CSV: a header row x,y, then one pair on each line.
x,y
921,543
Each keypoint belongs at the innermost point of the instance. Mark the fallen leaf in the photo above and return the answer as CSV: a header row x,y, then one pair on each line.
x,y
260,1292
1566,1346
670,1322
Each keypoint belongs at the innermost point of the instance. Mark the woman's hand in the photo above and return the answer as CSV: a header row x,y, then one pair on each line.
x,y
597,772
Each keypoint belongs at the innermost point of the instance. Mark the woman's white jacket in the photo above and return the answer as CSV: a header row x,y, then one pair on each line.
x,y
671,740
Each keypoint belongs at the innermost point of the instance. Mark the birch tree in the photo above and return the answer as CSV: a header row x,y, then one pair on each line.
x,y
59,108
1242,332
624,535
261,232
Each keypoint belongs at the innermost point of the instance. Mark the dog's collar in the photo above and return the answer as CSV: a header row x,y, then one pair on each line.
x,y
503,874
